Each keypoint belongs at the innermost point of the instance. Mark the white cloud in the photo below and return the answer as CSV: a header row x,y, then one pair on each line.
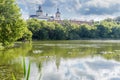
x,y
35,1
78,4
24,14
102,3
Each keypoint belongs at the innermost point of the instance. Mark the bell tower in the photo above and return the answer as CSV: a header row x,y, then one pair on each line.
x,y
39,12
58,15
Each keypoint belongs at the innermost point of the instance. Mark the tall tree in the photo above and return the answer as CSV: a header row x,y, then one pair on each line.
x,y
12,26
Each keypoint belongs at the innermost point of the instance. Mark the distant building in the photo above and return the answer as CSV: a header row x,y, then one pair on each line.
x,y
58,15
74,22
41,16
57,18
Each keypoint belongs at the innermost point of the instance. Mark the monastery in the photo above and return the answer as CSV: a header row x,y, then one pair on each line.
x,y
57,18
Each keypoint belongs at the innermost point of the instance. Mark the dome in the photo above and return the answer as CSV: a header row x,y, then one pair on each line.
x,y
57,11
39,9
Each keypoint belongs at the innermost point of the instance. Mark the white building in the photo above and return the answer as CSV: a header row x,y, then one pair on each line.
x,y
40,15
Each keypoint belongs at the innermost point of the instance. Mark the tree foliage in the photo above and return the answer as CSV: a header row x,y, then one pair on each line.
x,y
12,26
43,30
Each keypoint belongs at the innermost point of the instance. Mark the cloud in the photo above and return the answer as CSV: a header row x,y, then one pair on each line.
x,y
24,14
78,4
35,1
100,7
74,8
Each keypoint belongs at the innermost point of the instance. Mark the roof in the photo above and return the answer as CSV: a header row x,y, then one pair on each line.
x,y
57,11
39,9
33,16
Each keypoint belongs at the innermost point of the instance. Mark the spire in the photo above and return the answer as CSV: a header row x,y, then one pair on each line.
x,y
39,9
57,9
58,12
39,12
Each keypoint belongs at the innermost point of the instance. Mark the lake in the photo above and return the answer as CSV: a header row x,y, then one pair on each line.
x,y
63,60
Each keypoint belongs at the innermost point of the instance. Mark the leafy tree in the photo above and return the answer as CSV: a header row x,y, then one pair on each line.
x,y
101,31
43,30
12,27
115,32
27,36
34,26
109,20
59,32
84,31
117,19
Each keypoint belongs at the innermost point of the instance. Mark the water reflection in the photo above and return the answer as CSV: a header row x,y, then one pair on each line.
x,y
64,60
11,63
76,61
96,68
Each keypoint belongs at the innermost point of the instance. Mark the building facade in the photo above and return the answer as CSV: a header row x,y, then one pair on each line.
x,y
57,18
41,16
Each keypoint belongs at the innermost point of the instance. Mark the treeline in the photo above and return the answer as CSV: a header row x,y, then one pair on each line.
x,y
43,30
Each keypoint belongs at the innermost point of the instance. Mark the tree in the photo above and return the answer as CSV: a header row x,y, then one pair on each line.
x,y
12,26
102,31
34,26
115,32
84,31
59,33
67,27
117,19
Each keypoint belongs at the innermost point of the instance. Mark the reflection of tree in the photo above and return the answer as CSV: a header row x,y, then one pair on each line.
x,y
11,62
57,62
115,56
55,51
110,51
39,63
6,71
40,71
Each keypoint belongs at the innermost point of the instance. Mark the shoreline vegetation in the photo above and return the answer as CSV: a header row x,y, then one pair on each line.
x,y
13,28
43,30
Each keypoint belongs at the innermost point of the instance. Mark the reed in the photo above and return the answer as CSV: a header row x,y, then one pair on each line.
x,y
24,66
13,76
26,71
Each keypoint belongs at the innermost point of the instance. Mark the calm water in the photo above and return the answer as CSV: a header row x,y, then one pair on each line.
x,y
63,60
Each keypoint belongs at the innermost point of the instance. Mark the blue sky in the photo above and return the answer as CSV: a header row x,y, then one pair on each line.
x,y
73,9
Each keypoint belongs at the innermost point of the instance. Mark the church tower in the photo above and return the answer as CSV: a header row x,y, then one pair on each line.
x,y
57,15
39,12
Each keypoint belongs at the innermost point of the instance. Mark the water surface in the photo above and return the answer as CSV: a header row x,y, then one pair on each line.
x,y
63,60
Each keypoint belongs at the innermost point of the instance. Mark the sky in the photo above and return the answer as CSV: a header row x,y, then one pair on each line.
x,y
73,9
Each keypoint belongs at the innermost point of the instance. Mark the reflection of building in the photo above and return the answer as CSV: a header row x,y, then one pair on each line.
x,y
40,15
57,18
